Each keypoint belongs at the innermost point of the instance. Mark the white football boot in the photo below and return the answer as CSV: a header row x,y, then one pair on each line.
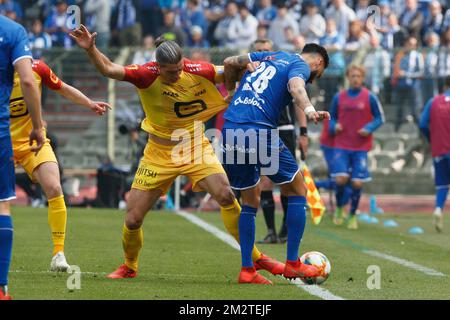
x,y
438,219
59,263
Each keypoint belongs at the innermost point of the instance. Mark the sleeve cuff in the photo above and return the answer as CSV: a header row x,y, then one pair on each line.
x,y
22,57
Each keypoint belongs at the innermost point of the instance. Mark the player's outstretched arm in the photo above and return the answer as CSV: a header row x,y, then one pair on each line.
x,y
86,40
32,98
297,88
77,97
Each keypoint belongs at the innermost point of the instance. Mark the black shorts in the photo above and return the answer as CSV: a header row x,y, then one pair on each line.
x,y
289,140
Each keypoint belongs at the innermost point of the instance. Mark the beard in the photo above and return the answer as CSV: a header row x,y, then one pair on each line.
x,y
312,77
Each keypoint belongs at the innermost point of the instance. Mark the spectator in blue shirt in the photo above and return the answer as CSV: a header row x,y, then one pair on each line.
x,y
435,19
11,6
56,25
266,13
39,40
126,17
334,43
193,15
395,35
412,19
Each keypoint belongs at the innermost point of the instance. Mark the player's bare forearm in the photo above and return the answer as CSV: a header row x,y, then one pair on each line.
x,y
232,68
301,99
77,97
301,117
105,65
74,95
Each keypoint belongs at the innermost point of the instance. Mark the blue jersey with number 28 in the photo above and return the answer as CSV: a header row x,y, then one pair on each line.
x,y
263,93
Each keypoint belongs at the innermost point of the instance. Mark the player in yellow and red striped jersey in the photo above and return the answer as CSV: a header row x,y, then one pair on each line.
x,y
43,166
177,96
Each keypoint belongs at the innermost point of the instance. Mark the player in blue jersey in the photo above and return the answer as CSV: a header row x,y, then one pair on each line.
x,y
251,146
14,54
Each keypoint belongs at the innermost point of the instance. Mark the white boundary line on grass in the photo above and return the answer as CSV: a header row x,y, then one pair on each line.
x,y
405,263
228,239
55,273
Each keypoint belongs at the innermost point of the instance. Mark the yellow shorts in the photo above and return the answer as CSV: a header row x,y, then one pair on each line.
x,y
161,164
29,161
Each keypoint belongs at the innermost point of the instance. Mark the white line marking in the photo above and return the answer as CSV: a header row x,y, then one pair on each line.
x,y
405,263
55,273
169,275
228,239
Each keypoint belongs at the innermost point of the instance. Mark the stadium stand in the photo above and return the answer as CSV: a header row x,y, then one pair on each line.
x,y
394,152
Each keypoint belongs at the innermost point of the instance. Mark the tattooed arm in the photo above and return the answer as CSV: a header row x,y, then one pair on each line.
x,y
297,88
233,67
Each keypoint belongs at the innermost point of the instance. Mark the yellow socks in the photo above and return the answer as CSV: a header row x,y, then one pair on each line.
x,y
132,241
230,217
57,219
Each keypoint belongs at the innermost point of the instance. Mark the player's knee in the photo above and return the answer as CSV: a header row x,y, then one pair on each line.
x,y
4,208
225,197
133,221
53,190
342,180
252,200
357,184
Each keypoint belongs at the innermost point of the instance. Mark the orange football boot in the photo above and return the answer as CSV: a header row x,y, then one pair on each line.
x,y
297,269
267,263
249,275
3,296
122,272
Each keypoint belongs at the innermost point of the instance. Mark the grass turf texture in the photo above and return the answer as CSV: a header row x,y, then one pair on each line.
x,y
181,261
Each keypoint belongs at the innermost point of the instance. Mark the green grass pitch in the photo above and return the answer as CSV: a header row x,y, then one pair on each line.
x,y
179,260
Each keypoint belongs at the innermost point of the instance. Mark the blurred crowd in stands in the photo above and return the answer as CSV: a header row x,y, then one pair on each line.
x,y
403,44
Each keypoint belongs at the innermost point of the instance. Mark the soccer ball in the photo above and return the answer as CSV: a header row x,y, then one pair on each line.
x,y
319,260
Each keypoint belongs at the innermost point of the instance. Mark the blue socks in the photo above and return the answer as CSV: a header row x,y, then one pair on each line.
x,y
295,220
356,195
6,241
441,196
247,234
343,194
340,195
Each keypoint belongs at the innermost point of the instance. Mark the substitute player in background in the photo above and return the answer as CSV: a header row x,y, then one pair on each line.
x,y
355,114
43,167
14,54
175,93
435,125
286,129
253,114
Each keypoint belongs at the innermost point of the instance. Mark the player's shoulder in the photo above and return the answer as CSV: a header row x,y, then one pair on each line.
x,y
197,66
8,24
10,29
150,68
201,68
143,75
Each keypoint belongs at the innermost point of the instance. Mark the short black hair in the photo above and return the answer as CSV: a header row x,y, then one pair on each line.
x,y
315,48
